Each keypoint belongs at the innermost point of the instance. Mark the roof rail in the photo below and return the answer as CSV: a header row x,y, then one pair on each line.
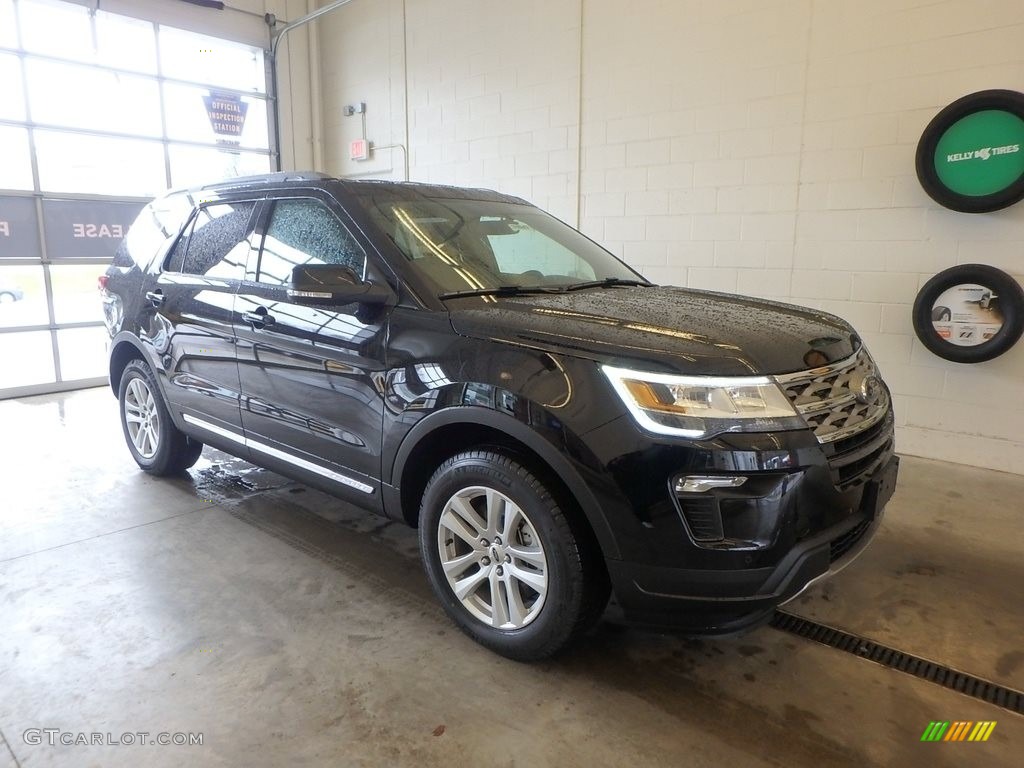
x,y
279,176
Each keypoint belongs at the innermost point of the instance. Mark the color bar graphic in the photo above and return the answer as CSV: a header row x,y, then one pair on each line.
x,y
958,730
934,731
982,731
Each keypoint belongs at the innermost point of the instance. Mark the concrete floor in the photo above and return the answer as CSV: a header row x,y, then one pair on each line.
x,y
290,629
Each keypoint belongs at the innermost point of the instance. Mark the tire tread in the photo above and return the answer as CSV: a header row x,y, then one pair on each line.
x,y
183,451
586,573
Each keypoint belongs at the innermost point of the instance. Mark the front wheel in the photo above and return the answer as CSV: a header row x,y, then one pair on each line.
x,y
505,562
157,446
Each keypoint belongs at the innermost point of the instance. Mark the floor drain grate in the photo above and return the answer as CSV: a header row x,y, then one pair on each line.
x,y
969,685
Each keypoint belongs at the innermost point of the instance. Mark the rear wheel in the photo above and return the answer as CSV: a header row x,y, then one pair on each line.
x,y
157,446
504,560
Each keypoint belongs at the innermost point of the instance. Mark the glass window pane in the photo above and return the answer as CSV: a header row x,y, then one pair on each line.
x,y
15,162
33,354
217,246
201,59
77,163
174,261
306,232
8,33
22,296
76,296
83,353
157,223
125,43
86,229
59,29
83,97
12,100
19,228
483,239
519,248
191,166
188,119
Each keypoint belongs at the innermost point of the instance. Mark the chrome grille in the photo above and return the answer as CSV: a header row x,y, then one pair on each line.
x,y
827,397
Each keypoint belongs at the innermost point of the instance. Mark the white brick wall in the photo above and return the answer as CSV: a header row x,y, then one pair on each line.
x,y
759,147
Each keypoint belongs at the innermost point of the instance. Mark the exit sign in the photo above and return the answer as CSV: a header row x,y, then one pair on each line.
x,y
359,150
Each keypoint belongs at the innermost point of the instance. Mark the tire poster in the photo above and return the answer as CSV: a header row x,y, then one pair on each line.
x,y
967,315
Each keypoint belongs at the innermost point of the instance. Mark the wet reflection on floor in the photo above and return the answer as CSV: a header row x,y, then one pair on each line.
x,y
321,630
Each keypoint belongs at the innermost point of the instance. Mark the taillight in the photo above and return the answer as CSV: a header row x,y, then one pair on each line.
x,y
102,280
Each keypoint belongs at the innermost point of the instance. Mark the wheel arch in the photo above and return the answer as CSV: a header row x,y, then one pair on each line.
x,y
444,433
124,348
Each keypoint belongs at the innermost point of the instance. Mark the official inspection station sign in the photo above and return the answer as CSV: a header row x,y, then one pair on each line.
x,y
226,112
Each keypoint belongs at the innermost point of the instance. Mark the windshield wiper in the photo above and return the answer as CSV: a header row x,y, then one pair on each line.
x,y
608,282
500,290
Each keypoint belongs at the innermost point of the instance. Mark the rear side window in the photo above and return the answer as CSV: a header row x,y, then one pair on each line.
x,y
215,243
306,232
177,254
156,225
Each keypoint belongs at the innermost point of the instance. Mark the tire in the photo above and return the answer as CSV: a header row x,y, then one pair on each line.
x,y
941,315
548,562
998,99
167,451
1006,293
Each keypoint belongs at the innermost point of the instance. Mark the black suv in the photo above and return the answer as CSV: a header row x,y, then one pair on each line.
x,y
556,426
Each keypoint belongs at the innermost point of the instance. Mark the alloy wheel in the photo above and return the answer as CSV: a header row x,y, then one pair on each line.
x,y
492,558
142,418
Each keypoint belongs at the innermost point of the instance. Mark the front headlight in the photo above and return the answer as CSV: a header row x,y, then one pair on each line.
x,y
703,406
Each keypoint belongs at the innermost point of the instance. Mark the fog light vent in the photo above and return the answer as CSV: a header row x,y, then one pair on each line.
x,y
705,483
702,518
840,546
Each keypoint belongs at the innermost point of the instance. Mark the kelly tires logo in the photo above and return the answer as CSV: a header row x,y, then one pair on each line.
x,y
969,157
958,730
982,154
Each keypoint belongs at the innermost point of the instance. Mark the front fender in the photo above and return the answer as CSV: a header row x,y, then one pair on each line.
x,y
527,423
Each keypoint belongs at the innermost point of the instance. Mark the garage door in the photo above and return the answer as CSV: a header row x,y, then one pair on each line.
x,y
99,113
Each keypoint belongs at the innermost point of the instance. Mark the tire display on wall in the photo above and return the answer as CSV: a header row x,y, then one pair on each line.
x,y
970,157
970,313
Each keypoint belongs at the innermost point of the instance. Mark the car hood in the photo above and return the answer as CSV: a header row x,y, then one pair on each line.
x,y
662,328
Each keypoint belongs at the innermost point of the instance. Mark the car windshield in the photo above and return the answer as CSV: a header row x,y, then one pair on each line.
x,y
461,245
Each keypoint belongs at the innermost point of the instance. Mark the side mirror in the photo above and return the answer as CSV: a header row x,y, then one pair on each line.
x,y
334,284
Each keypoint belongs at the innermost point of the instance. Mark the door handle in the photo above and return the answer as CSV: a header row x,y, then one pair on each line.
x,y
259,319
156,298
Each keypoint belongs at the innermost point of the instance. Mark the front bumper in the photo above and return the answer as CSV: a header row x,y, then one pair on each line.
x,y
707,602
812,519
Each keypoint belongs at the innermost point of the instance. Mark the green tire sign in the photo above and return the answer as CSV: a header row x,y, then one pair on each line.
x,y
981,154
971,155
